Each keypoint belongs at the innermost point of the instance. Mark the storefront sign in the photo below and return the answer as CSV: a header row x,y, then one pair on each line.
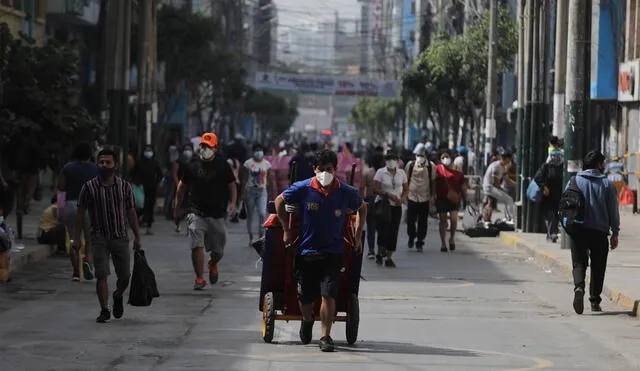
x,y
628,81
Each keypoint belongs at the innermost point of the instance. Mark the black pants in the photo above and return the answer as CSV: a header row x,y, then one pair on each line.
x,y
7,199
388,231
371,224
592,244
417,213
150,195
56,236
551,221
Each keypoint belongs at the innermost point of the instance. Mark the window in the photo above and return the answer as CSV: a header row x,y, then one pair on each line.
x,y
413,7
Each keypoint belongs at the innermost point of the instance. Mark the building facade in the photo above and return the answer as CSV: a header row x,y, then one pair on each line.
x,y
27,16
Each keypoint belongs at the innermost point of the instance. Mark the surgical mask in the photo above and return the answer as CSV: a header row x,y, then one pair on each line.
x,y
446,161
258,154
392,164
106,172
325,178
187,154
207,154
148,154
421,160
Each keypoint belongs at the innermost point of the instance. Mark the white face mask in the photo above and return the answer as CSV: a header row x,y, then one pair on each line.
x,y
207,153
392,164
325,178
421,160
446,161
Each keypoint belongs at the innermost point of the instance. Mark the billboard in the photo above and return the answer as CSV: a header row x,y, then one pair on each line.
x,y
326,85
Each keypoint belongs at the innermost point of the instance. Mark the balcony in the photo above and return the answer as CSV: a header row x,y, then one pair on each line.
x,y
69,7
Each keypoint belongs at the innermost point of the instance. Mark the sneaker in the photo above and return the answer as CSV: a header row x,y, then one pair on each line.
x,y
379,259
411,244
444,249
371,256
234,219
595,307
326,344
87,269
149,232
578,300
199,285
75,277
389,263
419,248
177,228
104,316
306,331
213,273
118,305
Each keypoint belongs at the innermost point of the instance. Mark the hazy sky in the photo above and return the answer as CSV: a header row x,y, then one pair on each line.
x,y
293,12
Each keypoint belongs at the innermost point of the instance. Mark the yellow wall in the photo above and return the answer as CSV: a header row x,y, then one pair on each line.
x,y
14,18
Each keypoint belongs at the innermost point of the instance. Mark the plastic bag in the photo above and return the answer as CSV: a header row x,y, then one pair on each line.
x,y
143,282
534,192
626,196
138,195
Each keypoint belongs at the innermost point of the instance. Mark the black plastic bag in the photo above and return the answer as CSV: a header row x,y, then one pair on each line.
x,y
143,282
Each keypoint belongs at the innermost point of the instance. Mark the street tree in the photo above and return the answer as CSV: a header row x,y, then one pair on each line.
x,y
276,113
40,113
375,117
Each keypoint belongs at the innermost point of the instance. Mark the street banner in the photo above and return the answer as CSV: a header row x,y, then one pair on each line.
x,y
326,85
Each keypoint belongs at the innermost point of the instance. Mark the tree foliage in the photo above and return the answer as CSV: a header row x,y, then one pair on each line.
x,y
39,91
374,117
276,113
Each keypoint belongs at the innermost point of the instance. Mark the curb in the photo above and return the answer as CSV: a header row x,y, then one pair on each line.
x,y
20,260
616,296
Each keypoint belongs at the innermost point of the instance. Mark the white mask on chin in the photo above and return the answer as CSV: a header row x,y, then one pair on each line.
x,y
207,154
325,178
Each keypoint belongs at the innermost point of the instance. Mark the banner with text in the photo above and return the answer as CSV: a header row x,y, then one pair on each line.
x,y
327,85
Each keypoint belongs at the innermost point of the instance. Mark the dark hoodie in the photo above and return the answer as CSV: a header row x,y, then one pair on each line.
x,y
147,172
601,201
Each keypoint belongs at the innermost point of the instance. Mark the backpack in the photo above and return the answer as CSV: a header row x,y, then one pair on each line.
x,y
429,169
572,208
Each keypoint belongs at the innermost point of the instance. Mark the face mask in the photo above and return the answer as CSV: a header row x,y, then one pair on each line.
x,y
420,160
325,178
446,161
392,164
187,154
148,154
258,154
556,160
207,154
106,172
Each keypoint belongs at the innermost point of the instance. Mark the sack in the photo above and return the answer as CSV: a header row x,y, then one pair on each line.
x,y
571,210
626,196
471,217
143,282
482,231
503,226
534,192
383,210
138,195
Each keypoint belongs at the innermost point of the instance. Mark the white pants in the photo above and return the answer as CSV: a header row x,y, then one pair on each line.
x,y
501,196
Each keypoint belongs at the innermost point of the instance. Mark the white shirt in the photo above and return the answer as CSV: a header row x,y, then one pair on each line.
x,y
391,184
495,170
257,173
420,186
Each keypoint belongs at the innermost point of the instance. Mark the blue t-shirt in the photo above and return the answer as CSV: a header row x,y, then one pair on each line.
x,y
322,215
77,174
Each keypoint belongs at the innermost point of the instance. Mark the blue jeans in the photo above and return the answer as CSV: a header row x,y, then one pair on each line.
x,y
255,198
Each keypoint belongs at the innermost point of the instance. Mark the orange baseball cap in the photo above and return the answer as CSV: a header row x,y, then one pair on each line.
x,y
209,139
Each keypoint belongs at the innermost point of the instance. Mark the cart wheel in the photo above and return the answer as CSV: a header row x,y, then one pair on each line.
x,y
268,317
353,320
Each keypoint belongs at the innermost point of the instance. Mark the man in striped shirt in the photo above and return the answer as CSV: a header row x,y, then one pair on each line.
x,y
109,200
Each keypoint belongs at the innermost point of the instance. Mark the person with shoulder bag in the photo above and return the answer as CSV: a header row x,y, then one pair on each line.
x,y
421,176
450,190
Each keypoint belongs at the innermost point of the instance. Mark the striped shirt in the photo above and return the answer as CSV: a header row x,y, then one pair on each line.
x,y
107,206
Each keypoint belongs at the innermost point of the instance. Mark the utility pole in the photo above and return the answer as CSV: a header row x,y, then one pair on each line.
x,y
576,104
492,79
527,106
534,113
144,42
560,68
519,109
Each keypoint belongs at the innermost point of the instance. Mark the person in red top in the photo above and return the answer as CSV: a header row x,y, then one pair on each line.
x,y
450,189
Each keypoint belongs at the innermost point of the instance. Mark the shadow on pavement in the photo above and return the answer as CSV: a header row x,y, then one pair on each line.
x,y
404,348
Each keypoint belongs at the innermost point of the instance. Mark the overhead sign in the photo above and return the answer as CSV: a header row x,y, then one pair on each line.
x,y
628,81
327,85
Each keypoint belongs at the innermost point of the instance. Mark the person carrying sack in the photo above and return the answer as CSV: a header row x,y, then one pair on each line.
x,y
421,176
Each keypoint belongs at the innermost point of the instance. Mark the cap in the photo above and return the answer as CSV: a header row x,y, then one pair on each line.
x,y
209,139
419,149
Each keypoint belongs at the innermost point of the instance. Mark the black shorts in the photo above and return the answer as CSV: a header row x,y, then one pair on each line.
x,y
319,275
443,205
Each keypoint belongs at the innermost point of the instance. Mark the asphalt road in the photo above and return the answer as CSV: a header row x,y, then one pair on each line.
x,y
483,307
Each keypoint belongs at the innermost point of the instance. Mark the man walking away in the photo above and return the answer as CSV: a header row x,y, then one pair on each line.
x,y
210,184
601,218
147,172
109,200
72,177
421,174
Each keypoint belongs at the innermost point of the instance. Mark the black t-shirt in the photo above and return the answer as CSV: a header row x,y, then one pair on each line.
x,y
207,185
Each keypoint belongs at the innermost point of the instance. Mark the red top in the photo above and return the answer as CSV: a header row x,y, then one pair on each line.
x,y
448,178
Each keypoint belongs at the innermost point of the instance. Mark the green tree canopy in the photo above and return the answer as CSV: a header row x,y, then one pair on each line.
x,y
374,117
39,92
276,113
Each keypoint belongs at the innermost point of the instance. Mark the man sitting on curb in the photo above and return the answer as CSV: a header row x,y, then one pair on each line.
x,y
50,230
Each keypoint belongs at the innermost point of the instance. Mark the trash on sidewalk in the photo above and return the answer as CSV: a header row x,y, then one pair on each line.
x,y
474,226
143,282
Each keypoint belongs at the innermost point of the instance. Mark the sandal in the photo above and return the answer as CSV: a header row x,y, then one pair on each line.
x,y
443,249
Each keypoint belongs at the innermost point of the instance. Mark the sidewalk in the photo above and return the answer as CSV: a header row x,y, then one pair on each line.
x,y
622,281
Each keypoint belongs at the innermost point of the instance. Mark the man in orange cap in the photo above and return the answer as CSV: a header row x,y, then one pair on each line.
x,y
210,184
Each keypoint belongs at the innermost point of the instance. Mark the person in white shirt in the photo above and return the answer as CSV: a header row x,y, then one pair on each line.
x,y
258,183
421,174
391,187
491,186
